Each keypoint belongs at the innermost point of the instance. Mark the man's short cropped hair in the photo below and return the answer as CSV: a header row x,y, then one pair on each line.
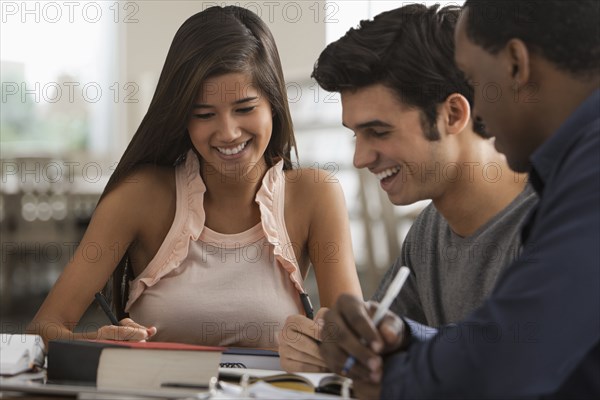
x,y
566,33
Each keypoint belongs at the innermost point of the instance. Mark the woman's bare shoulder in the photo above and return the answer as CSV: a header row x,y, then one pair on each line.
x,y
147,186
312,185
148,179
142,206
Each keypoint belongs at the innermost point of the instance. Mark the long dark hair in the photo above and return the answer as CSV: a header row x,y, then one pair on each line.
x,y
213,42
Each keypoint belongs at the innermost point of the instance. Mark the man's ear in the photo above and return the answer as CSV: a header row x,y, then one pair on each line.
x,y
518,58
456,113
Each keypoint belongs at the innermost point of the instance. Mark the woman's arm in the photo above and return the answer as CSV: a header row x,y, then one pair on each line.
x,y
330,251
115,224
329,240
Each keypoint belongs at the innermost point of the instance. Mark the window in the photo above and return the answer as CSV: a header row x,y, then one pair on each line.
x,y
348,14
57,69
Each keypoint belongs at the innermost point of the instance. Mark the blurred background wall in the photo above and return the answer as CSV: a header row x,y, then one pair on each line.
x,y
77,78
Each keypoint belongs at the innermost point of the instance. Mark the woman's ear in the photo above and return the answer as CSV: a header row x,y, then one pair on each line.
x,y
456,113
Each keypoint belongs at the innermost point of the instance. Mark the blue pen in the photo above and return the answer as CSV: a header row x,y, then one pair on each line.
x,y
391,293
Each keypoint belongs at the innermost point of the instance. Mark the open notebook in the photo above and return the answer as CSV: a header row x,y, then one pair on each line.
x,y
302,381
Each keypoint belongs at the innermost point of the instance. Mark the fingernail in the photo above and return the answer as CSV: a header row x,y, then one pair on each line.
x,y
376,346
374,363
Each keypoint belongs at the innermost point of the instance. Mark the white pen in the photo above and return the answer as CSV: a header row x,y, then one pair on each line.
x,y
391,293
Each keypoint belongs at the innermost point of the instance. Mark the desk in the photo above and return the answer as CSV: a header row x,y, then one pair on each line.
x,y
19,390
12,388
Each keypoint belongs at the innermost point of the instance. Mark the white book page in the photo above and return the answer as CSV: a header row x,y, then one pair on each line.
x,y
20,352
262,390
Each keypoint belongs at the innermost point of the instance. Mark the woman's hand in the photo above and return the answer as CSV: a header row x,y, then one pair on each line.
x,y
299,342
129,330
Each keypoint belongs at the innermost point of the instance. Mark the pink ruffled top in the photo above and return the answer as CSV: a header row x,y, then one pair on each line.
x,y
220,289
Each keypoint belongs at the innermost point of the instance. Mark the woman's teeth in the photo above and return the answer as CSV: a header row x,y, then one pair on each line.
x,y
232,151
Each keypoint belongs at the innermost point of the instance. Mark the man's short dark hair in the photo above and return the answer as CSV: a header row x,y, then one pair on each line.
x,y
409,50
566,33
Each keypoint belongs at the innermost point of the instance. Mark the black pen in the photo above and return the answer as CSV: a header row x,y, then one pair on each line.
x,y
183,385
308,308
104,305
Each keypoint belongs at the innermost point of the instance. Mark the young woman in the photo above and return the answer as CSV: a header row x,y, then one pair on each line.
x,y
205,226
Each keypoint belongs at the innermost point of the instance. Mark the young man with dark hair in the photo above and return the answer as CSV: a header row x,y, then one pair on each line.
x,y
410,109
538,334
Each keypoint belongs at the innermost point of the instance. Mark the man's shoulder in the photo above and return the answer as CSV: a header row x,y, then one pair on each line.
x,y
527,197
424,235
516,211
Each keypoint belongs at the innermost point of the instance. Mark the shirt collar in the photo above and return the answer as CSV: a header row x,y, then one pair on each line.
x,y
544,158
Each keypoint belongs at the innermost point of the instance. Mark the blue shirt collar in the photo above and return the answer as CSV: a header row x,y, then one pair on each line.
x,y
548,156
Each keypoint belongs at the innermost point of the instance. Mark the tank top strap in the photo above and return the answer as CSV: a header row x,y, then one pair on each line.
x,y
188,224
271,201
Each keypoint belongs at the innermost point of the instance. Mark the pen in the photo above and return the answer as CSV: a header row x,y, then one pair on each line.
x,y
308,308
390,294
183,385
104,305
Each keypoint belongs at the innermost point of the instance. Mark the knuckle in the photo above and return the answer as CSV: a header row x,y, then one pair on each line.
x,y
127,322
330,332
127,332
355,319
324,350
330,316
341,335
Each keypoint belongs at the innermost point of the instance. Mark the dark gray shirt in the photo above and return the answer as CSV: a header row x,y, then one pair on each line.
x,y
452,275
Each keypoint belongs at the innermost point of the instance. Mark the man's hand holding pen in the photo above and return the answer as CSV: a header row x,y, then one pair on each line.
x,y
349,331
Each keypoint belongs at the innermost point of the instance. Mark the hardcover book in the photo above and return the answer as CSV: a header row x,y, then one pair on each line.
x,y
144,365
